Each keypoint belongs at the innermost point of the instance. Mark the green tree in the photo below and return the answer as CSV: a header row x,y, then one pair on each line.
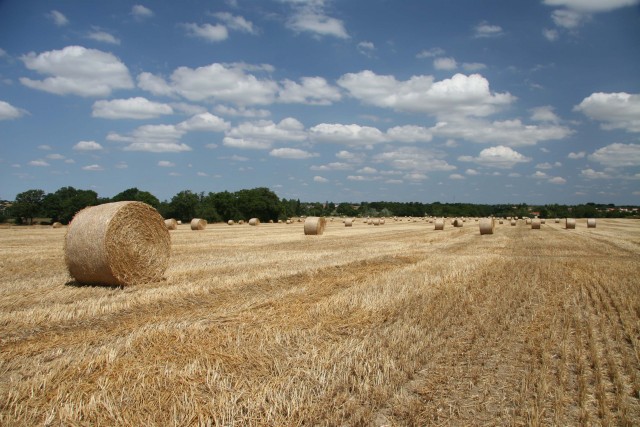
x,y
66,201
346,209
183,205
260,203
27,206
135,195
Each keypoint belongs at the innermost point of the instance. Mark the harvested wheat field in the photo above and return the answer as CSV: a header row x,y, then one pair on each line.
x,y
399,325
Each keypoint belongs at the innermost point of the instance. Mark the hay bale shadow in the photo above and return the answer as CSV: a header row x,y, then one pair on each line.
x,y
76,284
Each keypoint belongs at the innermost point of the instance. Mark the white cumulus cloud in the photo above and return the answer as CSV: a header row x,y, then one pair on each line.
x,y
319,178
77,70
311,90
617,155
616,110
58,18
87,146
291,153
9,112
497,157
351,134
132,108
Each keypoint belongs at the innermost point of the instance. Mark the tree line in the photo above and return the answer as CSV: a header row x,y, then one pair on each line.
x,y
262,203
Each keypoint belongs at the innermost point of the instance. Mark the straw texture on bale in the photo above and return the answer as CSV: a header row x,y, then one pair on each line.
x,y
591,223
457,222
121,243
231,222
439,224
570,223
348,222
56,225
513,222
535,224
198,224
527,221
376,221
171,224
314,225
486,225
254,221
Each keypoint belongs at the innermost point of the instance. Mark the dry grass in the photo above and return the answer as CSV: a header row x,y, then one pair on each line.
x,y
396,325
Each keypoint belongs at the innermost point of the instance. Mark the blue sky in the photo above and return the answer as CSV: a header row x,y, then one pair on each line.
x,y
347,100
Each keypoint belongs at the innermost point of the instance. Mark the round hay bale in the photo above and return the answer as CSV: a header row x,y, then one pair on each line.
x,y
543,221
198,224
314,225
570,223
288,221
376,221
500,221
254,221
348,222
513,222
527,221
535,224
487,225
56,225
120,243
231,222
279,221
381,221
171,224
439,224
270,221
557,220
591,223
179,222
457,222
241,222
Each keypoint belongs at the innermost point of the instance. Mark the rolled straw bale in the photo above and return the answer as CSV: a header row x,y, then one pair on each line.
x,y
288,221
376,221
120,243
179,222
527,221
557,220
513,222
500,221
270,221
543,221
56,225
439,224
314,225
254,221
535,224
381,221
348,222
198,224
570,223
591,223
486,225
279,221
457,222
231,222
171,224
241,222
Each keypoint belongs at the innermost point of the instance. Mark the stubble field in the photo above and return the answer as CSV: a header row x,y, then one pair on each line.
x,y
393,325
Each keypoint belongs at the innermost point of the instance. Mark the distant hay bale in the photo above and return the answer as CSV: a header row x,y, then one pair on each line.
x,y
486,225
231,222
557,220
591,223
254,221
56,225
570,223
527,221
457,222
288,221
179,222
270,221
171,224
500,221
439,224
381,221
543,221
314,225
279,221
120,243
535,224
198,224
513,222
348,222
376,221
241,222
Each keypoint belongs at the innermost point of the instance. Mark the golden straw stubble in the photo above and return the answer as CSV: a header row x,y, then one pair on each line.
x,y
120,243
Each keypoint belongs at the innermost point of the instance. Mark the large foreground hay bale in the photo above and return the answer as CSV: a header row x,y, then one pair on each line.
x,y
171,224
535,224
570,223
121,243
591,223
254,221
439,224
487,225
198,224
314,225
